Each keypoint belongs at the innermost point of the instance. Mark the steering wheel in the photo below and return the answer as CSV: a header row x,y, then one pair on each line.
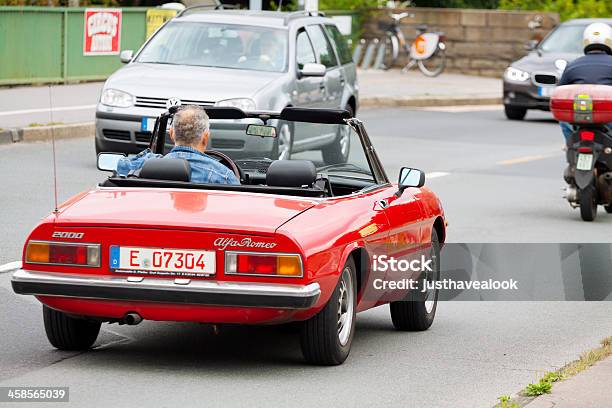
x,y
225,160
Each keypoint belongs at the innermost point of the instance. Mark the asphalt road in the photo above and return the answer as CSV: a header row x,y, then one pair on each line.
x,y
499,181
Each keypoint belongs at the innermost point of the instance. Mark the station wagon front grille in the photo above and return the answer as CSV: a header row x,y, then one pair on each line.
x,y
143,137
227,143
116,134
160,103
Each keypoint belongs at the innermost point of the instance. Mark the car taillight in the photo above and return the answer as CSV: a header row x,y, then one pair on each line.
x,y
587,135
62,253
260,263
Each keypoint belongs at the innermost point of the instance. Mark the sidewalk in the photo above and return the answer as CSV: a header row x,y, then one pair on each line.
x,y
392,88
590,388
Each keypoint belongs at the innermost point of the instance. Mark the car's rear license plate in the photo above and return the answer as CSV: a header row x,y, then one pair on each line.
x,y
546,91
585,162
162,261
147,124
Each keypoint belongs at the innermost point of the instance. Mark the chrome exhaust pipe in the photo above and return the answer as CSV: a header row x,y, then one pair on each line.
x,y
132,319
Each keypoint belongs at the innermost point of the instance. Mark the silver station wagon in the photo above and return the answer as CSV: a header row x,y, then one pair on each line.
x,y
254,60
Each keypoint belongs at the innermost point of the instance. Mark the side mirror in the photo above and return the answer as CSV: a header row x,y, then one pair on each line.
x,y
312,70
531,45
109,161
261,131
126,56
410,177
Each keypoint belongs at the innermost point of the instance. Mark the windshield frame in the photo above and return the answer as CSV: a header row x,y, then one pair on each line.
x,y
285,69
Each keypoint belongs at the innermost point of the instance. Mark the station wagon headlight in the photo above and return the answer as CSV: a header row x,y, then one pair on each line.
x,y
116,98
263,264
62,253
516,75
245,104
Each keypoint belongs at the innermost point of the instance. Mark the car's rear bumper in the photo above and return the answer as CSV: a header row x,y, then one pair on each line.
x,y
177,291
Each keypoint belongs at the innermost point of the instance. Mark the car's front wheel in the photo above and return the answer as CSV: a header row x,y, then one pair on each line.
x,y
338,151
326,337
283,144
418,314
68,333
515,113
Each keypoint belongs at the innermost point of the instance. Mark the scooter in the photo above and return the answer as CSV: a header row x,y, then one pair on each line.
x,y
589,149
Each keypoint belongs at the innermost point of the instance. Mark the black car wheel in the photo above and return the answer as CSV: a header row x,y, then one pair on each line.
x,y
515,113
68,333
418,314
608,208
326,337
338,151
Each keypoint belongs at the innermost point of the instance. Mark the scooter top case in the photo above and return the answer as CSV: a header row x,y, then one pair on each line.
x,y
582,104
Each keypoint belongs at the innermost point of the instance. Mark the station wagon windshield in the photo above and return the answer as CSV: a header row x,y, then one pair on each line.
x,y
218,45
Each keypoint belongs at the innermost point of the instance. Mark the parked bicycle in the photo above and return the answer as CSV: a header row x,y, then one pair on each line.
x,y
427,51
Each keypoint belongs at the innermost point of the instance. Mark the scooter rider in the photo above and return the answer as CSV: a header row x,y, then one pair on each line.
x,y
595,67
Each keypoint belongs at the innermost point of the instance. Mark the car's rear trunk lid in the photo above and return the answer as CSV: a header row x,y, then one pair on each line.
x,y
237,212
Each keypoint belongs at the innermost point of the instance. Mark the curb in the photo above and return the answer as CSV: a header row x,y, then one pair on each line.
x,y
375,101
45,133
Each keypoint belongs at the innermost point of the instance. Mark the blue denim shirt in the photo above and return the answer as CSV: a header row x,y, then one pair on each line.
x,y
204,169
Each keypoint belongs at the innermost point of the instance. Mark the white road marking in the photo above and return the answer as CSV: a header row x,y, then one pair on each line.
x,y
463,108
436,174
525,159
41,110
11,266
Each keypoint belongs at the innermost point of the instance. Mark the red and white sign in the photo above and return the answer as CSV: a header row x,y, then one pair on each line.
x,y
102,32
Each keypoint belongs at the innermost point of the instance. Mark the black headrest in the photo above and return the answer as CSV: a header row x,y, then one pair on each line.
x,y
166,169
291,173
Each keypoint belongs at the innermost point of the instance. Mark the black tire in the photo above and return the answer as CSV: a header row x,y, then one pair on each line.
x,y
321,334
588,203
412,315
67,333
515,113
608,208
338,151
433,66
282,127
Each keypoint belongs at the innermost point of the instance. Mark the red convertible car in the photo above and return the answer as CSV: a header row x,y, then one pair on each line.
x,y
294,242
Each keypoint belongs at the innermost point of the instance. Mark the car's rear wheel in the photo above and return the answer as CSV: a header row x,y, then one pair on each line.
x,y
608,208
283,144
515,113
418,314
338,151
68,333
326,337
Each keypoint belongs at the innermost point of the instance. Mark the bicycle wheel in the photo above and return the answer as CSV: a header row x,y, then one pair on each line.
x,y
391,44
434,65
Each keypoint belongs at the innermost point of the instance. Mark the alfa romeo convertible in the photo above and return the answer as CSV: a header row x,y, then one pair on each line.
x,y
293,243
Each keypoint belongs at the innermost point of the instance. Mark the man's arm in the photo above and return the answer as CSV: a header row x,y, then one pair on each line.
x,y
129,164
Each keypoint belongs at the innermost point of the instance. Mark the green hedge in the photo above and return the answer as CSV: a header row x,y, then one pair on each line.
x,y
567,9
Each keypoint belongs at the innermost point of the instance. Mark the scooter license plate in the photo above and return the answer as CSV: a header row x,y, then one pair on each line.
x,y
585,162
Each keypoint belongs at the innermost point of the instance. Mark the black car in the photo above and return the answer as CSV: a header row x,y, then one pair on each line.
x,y
529,81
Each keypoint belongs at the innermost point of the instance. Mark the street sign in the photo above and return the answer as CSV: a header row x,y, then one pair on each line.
x,y
102,33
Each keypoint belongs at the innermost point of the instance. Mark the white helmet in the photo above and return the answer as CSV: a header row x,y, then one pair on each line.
x,y
597,36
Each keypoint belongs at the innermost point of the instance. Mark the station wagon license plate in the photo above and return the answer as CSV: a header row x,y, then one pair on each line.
x,y
162,261
585,162
147,124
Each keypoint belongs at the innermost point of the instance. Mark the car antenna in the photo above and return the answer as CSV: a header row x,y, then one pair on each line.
x,y
280,5
55,210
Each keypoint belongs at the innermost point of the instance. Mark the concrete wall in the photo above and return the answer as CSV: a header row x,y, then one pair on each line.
x,y
480,42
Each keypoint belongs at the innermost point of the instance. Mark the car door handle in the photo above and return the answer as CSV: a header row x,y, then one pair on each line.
x,y
322,86
342,81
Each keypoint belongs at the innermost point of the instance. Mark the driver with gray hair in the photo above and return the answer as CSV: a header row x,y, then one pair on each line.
x,y
190,133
